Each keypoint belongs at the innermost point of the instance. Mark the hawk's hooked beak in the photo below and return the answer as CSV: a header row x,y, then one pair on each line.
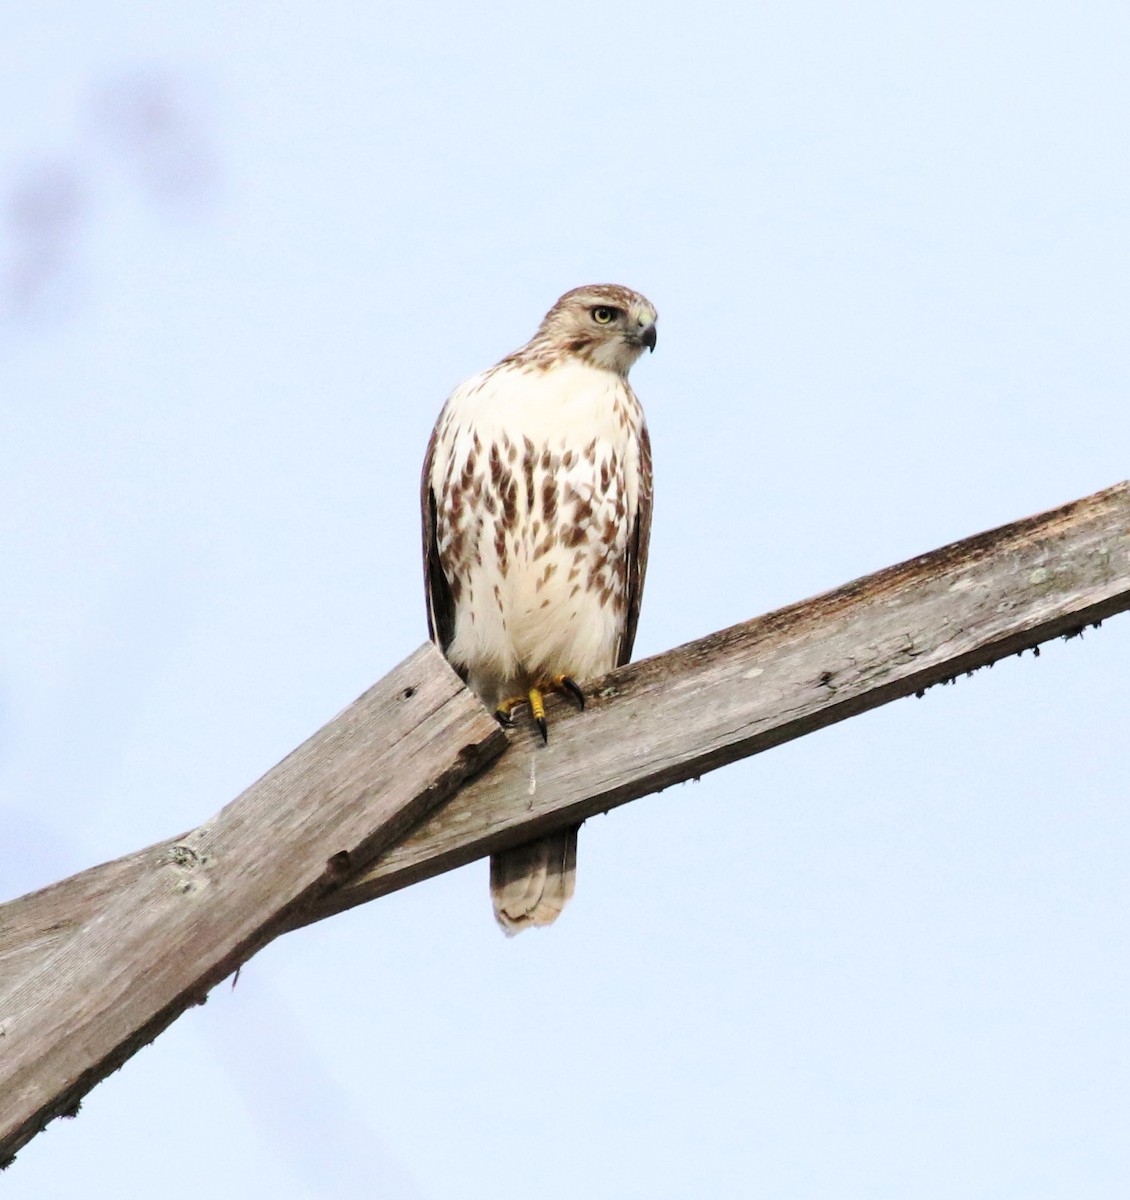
x,y
647,337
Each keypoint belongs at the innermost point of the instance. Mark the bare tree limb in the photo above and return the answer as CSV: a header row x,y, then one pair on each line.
x,y
740,691
196,908
81,952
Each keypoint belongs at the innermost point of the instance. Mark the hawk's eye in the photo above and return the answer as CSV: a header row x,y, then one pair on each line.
x,y
603,315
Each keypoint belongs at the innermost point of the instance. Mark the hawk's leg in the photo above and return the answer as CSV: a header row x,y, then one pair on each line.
x,y
505,710
537,711
535,699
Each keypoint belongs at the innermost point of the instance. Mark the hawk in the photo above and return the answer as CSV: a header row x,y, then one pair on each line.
x,y
536,504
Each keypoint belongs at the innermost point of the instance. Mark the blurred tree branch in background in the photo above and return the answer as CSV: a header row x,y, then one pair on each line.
x,y
153,127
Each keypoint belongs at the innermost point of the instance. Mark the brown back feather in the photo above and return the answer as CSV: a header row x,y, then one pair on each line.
x,y
437,590
637,551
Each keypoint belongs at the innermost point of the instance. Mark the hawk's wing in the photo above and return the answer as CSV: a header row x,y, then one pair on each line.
x,y
637,551
437,590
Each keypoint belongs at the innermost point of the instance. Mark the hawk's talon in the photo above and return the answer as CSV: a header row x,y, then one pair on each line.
x,y
504,713
564,684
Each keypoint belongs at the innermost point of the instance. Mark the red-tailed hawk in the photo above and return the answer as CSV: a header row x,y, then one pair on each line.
x,y
536,498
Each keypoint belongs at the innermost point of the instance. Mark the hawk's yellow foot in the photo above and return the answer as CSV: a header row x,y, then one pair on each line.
x,y
537,711
505,710
534,697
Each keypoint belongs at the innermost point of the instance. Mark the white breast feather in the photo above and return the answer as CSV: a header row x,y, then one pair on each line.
x,y
534,536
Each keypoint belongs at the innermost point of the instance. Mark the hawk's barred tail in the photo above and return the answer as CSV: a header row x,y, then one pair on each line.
x,y
531,884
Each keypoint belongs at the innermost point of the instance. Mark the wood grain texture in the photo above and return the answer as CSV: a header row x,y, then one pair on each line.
x,y
647,726
157,930
676,716
673,717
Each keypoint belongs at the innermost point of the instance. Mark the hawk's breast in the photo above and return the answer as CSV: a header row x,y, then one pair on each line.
x,y
536,480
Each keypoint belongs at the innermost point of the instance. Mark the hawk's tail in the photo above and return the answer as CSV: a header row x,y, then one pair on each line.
x,y
531,884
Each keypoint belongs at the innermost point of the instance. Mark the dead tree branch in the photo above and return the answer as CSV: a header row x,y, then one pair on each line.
x,y
96,965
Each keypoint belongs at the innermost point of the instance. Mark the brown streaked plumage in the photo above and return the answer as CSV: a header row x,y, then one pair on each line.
x,y
536,504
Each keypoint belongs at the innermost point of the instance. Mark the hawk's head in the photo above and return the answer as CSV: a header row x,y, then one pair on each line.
x,y
604,324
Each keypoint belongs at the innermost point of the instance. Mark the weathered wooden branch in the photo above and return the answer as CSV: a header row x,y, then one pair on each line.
x,y
647,726
195,908
735,693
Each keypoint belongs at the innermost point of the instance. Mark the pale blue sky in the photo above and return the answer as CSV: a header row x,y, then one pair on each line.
x,y
890,250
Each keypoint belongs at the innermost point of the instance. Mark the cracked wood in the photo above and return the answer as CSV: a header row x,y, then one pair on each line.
x,y
107,977
740,691
647,726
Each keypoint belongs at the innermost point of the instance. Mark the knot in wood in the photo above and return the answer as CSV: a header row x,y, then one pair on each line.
x,y
184,856
337,865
